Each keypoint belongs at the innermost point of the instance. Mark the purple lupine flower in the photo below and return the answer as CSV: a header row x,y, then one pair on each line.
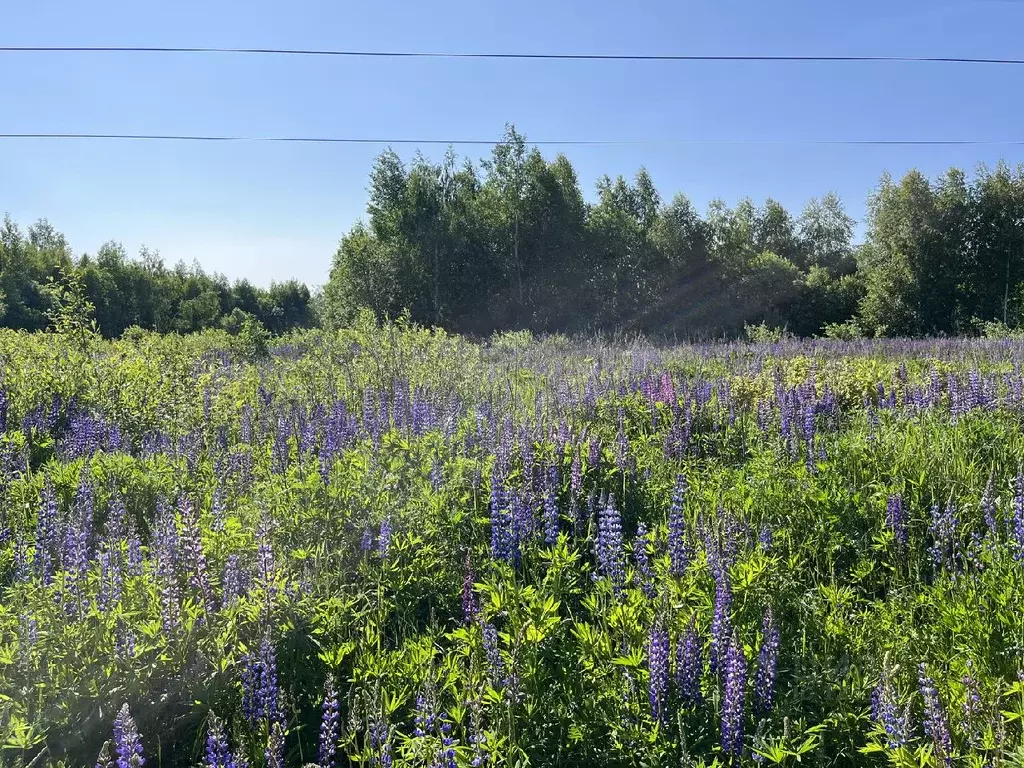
x,y
972,704
446,754
643,563
105,759
366,543
127,742
217,509
523,526
266,570
124,641
886,712
501,517
470,609
767,660
946,550
936,727
733,696
720,622
166,552
689,665
380,742
765,538
110,580
46,535
988,509
551,507
193,553
609,544
492,651
232,586
1017,520
657,667
594,454
329,726
274,753
896,520
678,549
259,685
576,475
134,560
384,539
218,754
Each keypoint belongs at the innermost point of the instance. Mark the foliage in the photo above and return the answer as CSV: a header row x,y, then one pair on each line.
x,y
387,545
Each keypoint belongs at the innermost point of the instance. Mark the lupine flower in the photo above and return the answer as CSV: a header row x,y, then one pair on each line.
x,y
886,712
643,564
988,509
329,726
446,754
720,622
380,742
1017,520
266,571
768,657
232,586
657,667
46,535
259,685
689,665
609,544
192,552
105,759
972,703
944,527
733,696
470,609
492,651
896,520
218,754
384,539
501,518
275,746
127,743
166,550
765,538
678,550
551,507
936,727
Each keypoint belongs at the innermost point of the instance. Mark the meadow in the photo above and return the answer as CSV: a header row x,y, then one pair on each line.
x,y
390,546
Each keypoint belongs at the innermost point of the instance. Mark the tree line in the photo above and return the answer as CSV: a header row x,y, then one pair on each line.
x,y
141,292
512,243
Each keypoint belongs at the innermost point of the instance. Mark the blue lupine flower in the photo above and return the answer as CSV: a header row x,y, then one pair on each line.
x,y
609,544
936,727
720,622
678,549
689,665
886,712
127,742
657,667
733,696
642,561
329,726
551,507
768,657
384,539
896,520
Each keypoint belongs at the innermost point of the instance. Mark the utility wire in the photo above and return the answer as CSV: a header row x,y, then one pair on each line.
x,y
490,142
471,55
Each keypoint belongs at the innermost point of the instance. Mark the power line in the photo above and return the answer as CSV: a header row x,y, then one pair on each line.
x,y
490,142
527,56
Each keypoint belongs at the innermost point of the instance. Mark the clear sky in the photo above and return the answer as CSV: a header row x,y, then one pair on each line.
x,y
275,211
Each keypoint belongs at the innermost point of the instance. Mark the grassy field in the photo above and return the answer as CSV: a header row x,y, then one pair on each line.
x,y
392,547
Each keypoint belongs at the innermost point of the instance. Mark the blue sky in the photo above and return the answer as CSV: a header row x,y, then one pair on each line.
x,y
273,211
